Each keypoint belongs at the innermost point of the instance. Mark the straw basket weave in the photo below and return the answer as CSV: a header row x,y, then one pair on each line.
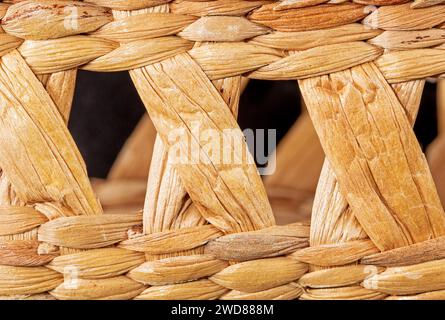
x,y
207,230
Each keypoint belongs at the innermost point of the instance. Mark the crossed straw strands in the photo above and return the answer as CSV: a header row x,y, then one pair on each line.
x,y
377,223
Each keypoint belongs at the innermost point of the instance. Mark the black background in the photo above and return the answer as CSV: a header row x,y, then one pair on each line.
x,y
106,109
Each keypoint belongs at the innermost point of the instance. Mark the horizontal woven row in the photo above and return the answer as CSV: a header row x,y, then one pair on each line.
x,y
134,41
186,59
98,273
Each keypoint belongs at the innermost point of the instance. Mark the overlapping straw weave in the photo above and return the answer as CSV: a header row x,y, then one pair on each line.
x,y
208,230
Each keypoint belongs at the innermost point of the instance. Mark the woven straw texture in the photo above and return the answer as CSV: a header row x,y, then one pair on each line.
x,y
208,230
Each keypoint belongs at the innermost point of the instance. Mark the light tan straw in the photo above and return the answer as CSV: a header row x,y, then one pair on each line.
x,y
208,230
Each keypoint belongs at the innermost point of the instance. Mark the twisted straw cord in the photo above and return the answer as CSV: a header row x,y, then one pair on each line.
x,y
396,228
389,281
167,205
164,180
333,220
246,210
142,43
22,248
67,169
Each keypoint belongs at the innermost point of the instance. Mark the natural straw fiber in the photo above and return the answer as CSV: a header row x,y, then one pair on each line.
x,y
208,229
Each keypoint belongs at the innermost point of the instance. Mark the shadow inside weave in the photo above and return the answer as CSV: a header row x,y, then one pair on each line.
x,y
106,108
